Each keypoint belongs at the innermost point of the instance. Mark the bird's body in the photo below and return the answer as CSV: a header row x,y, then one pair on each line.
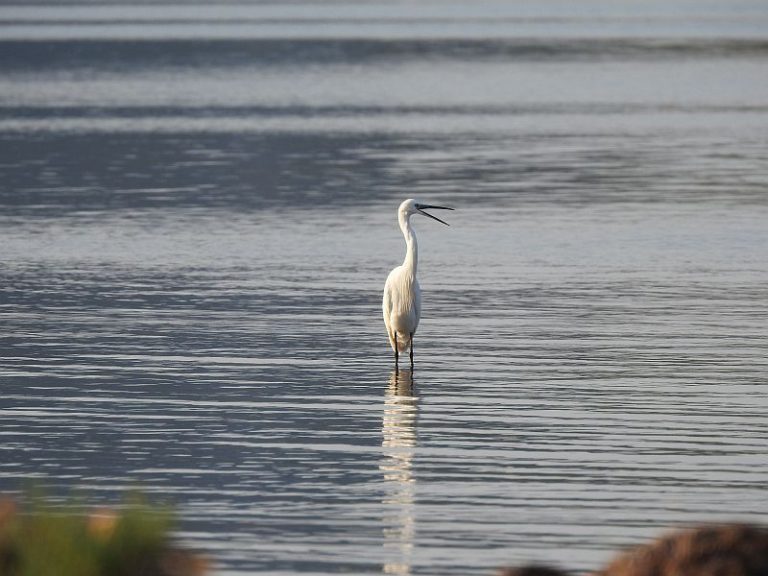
x,y
401,307
401,304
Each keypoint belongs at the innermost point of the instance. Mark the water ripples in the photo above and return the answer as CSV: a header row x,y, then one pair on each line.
x,y
195,232
538,417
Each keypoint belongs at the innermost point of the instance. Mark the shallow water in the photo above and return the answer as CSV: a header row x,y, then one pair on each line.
x,y
198,215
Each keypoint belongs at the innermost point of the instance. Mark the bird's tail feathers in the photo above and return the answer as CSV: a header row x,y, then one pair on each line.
x,y
402,342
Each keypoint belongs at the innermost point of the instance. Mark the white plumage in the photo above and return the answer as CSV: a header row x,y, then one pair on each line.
x,y
401,304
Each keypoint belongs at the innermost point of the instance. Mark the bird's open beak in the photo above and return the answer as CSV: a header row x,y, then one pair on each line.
x,y
422,207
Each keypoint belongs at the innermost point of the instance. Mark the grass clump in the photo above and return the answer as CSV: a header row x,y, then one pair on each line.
x,y
45,540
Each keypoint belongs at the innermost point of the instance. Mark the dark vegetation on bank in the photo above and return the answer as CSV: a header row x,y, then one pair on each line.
x,y
709,550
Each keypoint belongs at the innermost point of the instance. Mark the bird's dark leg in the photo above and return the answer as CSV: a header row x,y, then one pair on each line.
x,y
396,354
411,351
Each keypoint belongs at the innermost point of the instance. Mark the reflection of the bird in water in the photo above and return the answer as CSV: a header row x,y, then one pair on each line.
x,y
398,444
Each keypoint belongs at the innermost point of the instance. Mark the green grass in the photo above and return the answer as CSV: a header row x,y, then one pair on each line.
x,y
40,539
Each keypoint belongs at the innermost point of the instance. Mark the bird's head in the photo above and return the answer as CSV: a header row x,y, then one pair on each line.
x,y
411,206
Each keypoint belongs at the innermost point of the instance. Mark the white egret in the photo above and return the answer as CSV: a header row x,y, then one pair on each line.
x,y
402,296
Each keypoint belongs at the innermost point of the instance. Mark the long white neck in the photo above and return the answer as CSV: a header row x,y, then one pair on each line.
x,y
412,248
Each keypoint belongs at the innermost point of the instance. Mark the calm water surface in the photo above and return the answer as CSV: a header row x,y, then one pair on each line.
x,y
197,215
